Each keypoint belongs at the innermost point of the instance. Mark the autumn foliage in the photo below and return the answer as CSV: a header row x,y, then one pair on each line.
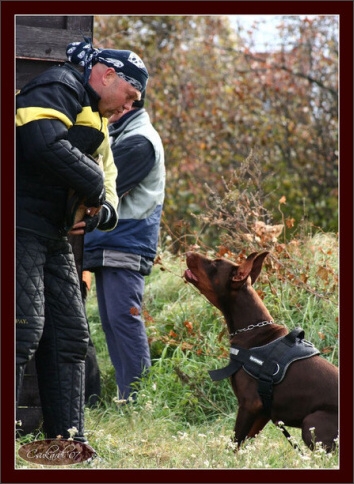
x,y
215,99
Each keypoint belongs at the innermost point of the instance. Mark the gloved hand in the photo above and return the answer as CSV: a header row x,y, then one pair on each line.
x,y
106,219
96,201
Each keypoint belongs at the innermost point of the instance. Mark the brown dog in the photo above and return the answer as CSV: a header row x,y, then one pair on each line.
x,y
307,397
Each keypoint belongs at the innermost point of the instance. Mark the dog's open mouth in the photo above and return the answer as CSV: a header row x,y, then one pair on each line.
x,y
189,276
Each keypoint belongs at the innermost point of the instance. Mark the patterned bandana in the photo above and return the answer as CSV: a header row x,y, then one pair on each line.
x,y
126,63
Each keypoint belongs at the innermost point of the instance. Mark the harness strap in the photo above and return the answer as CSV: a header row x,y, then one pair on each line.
x,y
270,367
290,338
221,373
265,391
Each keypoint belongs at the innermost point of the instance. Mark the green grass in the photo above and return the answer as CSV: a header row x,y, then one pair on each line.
x,y
182,419
133,438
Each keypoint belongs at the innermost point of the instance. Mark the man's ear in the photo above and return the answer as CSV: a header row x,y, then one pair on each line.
x,y
108,76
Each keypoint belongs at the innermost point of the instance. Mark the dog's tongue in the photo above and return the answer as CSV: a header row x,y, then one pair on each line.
x,y
188,274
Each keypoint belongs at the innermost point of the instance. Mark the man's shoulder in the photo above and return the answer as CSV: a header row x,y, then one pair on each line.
x,y
138,142
63,74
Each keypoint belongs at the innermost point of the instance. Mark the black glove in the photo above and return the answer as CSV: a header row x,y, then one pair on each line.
x,y
106,219
92,222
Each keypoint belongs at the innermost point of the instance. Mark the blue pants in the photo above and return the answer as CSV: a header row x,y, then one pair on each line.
x,y
119,296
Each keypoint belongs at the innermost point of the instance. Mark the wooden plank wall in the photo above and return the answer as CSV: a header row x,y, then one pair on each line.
x,y
41,42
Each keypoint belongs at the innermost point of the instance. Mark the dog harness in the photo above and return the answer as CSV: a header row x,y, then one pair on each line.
x,y
268,363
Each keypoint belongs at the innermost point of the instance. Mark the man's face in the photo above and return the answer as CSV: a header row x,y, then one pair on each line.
x,y
116,117
116,94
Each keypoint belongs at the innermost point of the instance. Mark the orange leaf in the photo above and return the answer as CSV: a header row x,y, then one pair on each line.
x,y
322,272
134,311
222,251
290,222
304,278
327,350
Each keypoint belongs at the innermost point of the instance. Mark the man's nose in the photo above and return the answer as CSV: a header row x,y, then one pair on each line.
x,y
128,105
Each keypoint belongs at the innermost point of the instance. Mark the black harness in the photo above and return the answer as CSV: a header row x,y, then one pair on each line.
x,y
268,363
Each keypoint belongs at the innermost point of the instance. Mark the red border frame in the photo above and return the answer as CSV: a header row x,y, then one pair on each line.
x,y
8,11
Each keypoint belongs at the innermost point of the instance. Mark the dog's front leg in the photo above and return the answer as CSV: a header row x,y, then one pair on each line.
x,y
250,417
258,425
247,425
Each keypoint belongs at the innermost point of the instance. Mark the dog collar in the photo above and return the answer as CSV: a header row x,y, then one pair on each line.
x,y
250,327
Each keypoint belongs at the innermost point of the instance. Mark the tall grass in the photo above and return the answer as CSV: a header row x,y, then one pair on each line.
x,y
181,419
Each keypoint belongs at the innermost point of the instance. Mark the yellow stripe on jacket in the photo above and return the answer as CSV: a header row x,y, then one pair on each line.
x,y
27,115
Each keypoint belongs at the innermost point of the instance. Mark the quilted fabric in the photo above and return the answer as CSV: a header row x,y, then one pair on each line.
x,y
51,323
47,164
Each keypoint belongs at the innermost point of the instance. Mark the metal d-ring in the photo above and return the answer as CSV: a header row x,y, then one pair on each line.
x,y
277,370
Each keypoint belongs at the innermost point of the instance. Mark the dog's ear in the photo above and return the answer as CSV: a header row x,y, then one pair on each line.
x,y
244,269
257,266
252,266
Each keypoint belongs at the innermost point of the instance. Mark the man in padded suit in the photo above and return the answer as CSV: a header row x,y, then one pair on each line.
x,y
61,128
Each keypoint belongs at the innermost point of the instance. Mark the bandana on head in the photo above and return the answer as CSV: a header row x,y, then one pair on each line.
x,y
126,63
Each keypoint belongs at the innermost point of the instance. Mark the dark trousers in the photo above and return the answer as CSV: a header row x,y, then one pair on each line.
x,y
51,324
119,296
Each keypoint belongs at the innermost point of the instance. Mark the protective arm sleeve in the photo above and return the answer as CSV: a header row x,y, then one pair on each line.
x,y
55,154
